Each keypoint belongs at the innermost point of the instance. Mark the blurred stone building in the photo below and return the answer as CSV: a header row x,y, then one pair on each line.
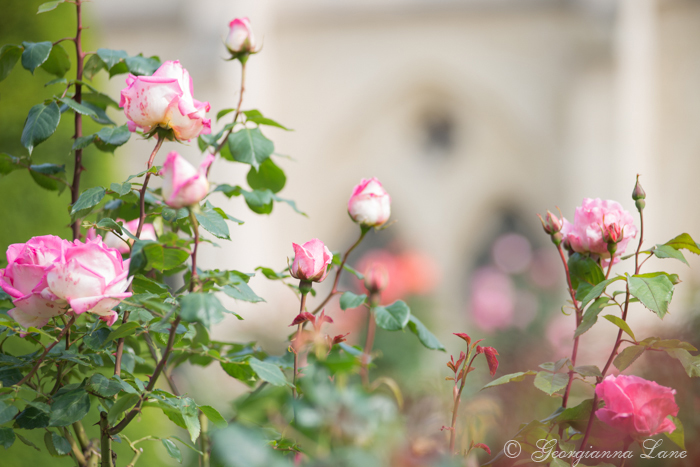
x,y
475,114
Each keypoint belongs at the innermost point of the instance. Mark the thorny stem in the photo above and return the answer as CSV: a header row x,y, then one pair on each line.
x,y
297,344
105,441
142,217
80,57
334,290
579,317
457,398
204,440
235,116
76,450
369,341
195,230
618,340
46,352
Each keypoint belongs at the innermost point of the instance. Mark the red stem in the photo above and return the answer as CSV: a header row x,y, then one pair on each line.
x,y
80,57
66,328
369,342
579,317
457,399
297,344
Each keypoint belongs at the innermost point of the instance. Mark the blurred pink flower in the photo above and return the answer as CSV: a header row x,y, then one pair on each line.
x,y
512,253
560,334
492,300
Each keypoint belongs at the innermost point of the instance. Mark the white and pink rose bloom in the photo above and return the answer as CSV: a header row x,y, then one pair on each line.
x,y
636,407
184,185
148,232
49,276
369,204
240,38
165,100
311,261
595,222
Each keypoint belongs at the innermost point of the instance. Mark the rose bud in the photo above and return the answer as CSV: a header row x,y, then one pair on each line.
x,y
91,277
240,38
551,223
24,280
636,407
638,195
165,100
369,204
183,185
376,277
311,261
593,217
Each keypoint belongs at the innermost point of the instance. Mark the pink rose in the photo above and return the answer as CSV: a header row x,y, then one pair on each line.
x,y
90,277
240,37
376,277
311,261
592,220
148,232
636,406
183,185
24,279
369,204
165,100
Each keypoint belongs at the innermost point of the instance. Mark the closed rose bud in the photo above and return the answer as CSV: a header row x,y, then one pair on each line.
x,y
311,261
636,407
165,100
240,37
369,204
551,223
24,280
183,185
638,195
91,277
376,277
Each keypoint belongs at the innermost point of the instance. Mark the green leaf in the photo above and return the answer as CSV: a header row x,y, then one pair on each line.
x,y
259,201
590,317
214,416
97,339
597,290
80,108
350,300
241,371
585,274
212,221
119,407
7,437
684,242
256,117
550,382
222,113
268,372
173,257
69,407
111,57
267,177
690,363
7,412
240,290
40,173
48,6
57,445
173,450
109,224
289,202
100,384
32,417
140,65
88,200
83,142
100,116
58,62
204,308
677,435
424,335
588,370
41,123
26,441
93,65
654,291
628,356
142,252
513,377
9,54
126,329
250,146
667,251
35,53
621,324
393,317
108,139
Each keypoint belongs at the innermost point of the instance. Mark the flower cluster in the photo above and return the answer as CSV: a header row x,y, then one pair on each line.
x,y
49,276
